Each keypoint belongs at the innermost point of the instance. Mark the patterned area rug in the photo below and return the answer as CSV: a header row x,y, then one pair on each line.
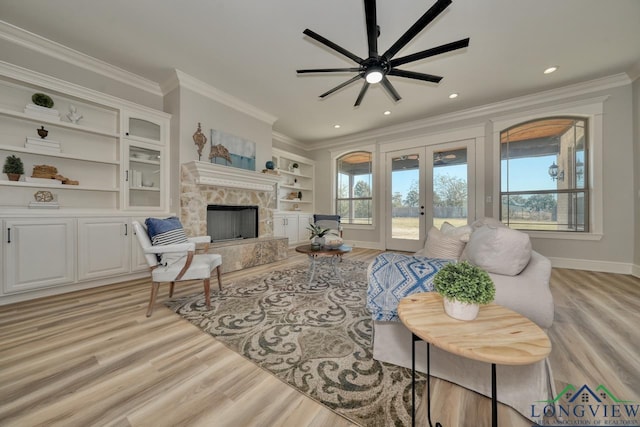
x,y
317,338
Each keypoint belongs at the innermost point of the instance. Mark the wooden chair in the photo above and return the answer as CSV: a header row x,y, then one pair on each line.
x,y
190,267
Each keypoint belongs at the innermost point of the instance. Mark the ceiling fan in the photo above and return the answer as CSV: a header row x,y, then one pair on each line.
x,y
375,68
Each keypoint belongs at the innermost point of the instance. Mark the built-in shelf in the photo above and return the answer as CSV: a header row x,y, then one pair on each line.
x,y
147,162
295,201
59,155
42,119
58,186
145,188
284,172
293,187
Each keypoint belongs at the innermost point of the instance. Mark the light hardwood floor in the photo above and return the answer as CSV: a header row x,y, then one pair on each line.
x,y
92,358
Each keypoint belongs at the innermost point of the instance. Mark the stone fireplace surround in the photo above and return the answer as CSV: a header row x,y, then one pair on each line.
x,y
204,183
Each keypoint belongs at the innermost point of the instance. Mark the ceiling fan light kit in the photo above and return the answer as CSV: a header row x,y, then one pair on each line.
x,y
375,68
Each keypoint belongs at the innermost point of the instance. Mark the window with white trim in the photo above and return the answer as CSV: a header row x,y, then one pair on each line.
x,y
544,175
354,187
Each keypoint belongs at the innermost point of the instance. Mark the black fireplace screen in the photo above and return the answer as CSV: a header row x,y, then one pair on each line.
x,y
225,222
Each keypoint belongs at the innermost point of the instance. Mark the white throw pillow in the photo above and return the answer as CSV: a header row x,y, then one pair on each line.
x,y
499,250
462,233
439,245
491,222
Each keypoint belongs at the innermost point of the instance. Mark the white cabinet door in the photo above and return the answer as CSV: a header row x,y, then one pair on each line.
x,y
144,127
38,253
286,225
103,247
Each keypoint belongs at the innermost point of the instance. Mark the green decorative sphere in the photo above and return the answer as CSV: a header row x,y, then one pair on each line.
x,y
42,100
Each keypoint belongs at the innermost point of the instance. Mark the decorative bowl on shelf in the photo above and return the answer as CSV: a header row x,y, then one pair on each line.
x,y
331,241
147,183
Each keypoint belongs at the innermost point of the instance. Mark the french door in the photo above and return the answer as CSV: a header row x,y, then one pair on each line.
x,y
427,186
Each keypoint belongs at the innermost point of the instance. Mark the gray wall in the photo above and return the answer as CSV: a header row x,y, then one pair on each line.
x,y
621,206
189,108
636,156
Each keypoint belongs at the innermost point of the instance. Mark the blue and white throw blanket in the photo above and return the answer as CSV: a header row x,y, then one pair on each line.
x,y
394,276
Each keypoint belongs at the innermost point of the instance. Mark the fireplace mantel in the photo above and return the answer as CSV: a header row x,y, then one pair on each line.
x,y
206,173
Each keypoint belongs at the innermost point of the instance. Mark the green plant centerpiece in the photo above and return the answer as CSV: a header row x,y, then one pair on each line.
x,y
13,167
464,287
316,235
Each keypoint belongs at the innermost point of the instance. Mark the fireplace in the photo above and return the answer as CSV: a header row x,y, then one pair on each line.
x,y
227,222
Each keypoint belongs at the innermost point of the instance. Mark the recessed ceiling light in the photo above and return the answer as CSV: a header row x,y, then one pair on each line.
x,y
550,70
453,96
336,126
386,113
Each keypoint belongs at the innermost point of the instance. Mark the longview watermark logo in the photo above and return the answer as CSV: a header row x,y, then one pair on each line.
x,y
584,406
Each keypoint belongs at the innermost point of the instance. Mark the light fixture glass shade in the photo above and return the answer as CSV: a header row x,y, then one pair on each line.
x,y
374,75
553,171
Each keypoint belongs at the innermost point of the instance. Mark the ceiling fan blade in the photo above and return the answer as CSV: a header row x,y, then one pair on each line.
x,y
340,86
372,27
328,70
414,75
332,45
420,24
389,87
365,86
430,52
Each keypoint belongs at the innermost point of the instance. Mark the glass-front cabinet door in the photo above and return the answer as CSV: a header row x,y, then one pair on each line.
x,y
143,128
143,176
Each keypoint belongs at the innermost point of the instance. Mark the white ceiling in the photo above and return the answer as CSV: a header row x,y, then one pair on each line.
x,y
251,49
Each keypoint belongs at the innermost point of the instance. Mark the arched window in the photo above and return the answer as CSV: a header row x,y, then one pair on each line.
x,y
544,175
354,181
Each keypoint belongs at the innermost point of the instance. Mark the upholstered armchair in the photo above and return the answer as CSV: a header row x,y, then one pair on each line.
x,y
332,222
183,263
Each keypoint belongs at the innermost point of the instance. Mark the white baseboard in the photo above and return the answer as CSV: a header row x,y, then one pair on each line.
x,y
366,245
594,265
635,270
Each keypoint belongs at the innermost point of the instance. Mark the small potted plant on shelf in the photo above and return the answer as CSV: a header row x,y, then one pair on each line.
x,y
13,167
464,287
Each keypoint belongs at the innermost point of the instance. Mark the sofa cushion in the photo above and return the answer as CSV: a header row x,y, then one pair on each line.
x,y
439,245
499,250
166,231
462,233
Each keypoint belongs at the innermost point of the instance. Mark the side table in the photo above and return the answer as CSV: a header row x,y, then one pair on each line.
x,y
497,336
333,254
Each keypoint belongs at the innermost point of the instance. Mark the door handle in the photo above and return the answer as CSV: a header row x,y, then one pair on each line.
x,y
126,230
126,174
9,235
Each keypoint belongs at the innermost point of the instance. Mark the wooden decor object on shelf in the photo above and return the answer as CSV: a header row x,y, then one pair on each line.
x,y
44,171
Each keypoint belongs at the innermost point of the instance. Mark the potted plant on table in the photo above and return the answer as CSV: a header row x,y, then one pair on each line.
x,y
464,287
13,167
316,235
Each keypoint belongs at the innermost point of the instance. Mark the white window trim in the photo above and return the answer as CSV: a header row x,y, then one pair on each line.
x,y
335,154
592,109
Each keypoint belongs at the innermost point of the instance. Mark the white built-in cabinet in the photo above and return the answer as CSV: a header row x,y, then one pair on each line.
x,y
292,226
103,247
295,201
38,253
117,154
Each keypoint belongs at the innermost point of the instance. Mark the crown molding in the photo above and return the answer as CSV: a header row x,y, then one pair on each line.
x,y
58,51
551,95
182,79
280,137
634,72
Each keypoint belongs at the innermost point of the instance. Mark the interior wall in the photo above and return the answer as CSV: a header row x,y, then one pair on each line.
x,y
194,108
618,244
636,156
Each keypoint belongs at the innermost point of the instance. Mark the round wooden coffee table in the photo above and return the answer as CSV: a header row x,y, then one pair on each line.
x,y
497,336
333,255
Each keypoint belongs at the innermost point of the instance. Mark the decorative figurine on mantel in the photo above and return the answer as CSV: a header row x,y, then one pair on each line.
x,y
43,132
73,114
200,139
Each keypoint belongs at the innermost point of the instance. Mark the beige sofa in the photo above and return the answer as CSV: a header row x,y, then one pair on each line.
x,y
527,293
